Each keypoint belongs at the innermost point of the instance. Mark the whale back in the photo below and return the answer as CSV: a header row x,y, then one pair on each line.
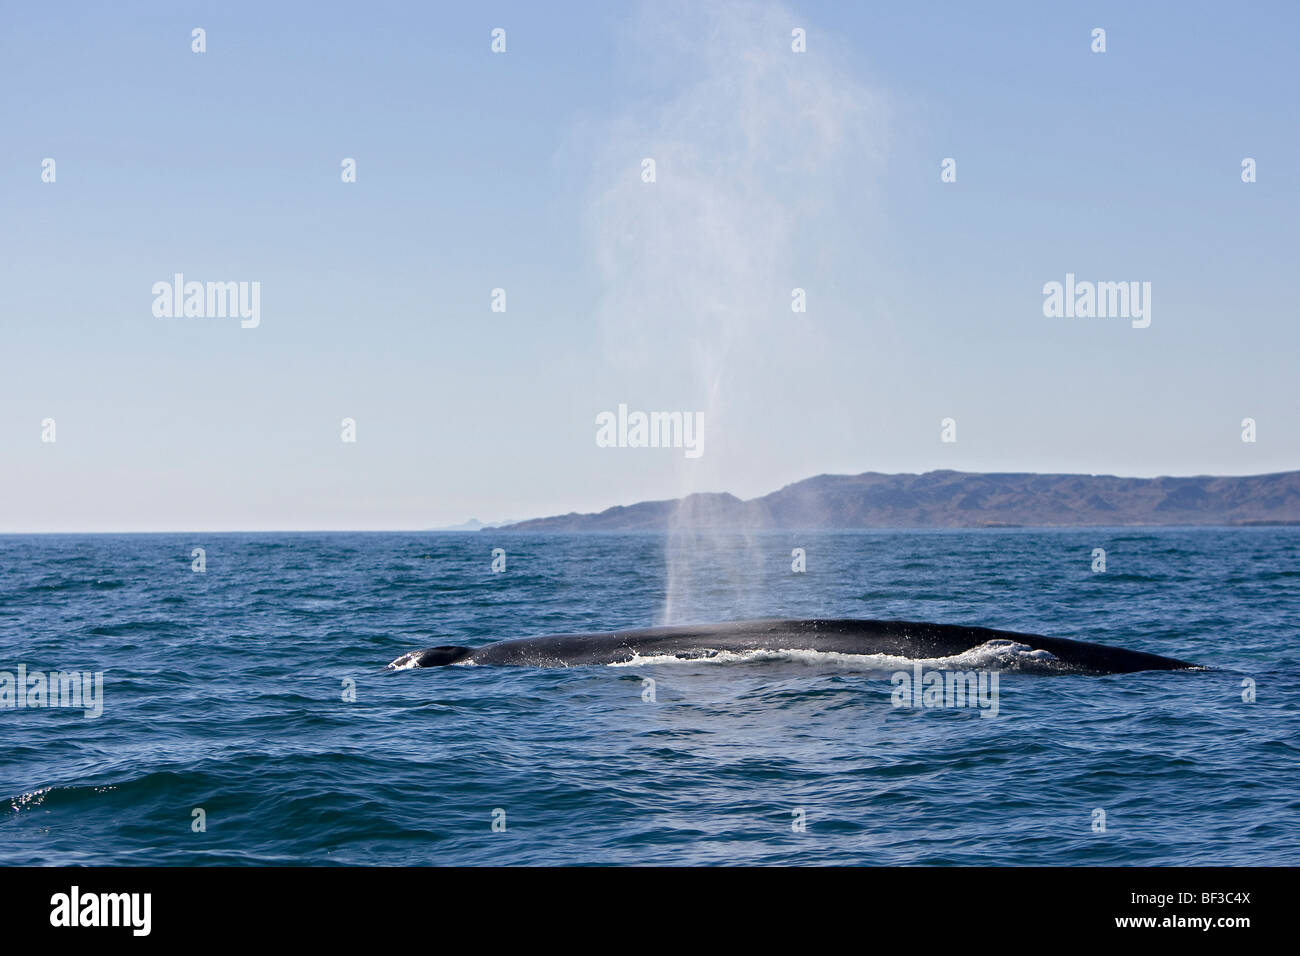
x,y
915,640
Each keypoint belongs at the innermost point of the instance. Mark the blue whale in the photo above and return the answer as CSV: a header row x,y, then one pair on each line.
x,y
913,640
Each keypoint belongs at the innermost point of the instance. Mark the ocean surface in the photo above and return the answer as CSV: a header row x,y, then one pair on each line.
x,y
229,735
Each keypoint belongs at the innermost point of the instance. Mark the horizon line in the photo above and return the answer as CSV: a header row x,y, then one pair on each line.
x,y
495,526
508,529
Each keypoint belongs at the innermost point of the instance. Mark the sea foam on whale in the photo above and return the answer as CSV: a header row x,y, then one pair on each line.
x,y
992,655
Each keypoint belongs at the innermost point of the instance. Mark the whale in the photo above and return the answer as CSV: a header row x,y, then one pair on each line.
x,y
957,645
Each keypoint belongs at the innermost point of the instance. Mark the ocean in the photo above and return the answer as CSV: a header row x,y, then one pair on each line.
x,y
248,716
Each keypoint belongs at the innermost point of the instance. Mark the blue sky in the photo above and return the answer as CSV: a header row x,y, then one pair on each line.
x,y
521,171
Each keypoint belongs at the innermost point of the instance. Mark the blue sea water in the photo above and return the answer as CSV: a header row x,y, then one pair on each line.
x,y
225,691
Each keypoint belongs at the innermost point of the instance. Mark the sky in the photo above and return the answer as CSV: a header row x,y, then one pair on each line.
x,y
524,171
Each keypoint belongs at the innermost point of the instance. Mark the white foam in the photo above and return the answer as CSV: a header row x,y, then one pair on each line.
x,y
999,654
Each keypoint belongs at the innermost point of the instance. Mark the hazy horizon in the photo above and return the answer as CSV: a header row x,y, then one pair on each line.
x,y
486,524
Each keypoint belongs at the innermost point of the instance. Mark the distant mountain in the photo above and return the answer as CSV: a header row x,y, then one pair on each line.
x,y
473,524
955,499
